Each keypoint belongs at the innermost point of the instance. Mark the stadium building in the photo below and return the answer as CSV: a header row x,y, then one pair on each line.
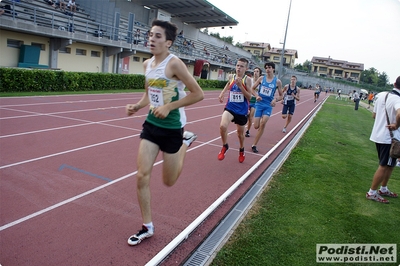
x,y
111,36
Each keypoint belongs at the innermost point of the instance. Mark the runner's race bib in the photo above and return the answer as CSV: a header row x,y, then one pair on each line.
x,y
265,91
290,97
236,97
156,97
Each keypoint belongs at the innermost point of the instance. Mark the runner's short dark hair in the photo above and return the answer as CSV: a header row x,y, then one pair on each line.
x,y
271,64
170,29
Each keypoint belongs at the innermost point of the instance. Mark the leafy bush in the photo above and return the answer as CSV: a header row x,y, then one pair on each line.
x,y
34,80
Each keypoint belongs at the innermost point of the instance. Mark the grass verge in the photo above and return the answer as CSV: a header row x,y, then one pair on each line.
x,y
318,196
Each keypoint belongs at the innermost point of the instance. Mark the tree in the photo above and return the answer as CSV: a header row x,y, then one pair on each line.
x,y
238,44
369,76
383,80
305,67
228,39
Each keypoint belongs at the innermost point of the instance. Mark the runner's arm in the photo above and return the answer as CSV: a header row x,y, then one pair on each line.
x,y
144,101
221,95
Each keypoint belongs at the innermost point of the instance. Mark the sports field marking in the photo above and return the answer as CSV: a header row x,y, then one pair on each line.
x,y
83,172
68,151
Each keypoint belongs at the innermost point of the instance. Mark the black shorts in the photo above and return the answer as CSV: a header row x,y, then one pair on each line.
x,y
383,155
169,140
288,109
240,120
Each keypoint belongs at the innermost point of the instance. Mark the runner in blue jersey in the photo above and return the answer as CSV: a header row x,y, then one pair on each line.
x,y
291,94
236,108
265,100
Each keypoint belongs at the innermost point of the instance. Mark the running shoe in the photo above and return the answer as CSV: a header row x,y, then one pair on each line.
x,y
241,155
376,197
139,236
189,137
254,149
247,134
284,130
221,154
388,193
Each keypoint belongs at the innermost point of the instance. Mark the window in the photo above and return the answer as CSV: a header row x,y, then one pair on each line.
x,y
95,54
323,69
80,51
64,50
14,43
354,75
276,58
40,45
136,59
338,72
144,59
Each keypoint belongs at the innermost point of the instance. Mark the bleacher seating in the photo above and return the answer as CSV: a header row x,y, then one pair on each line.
x,y
84,22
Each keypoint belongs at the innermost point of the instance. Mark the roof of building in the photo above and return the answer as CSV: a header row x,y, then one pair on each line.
x,y
275,50
328,61
257,44
197,13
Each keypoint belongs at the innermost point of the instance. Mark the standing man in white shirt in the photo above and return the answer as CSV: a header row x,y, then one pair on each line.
x,y
381,136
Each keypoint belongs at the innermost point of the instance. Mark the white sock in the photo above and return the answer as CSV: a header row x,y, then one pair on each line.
x,y
384,189
371,192
150,226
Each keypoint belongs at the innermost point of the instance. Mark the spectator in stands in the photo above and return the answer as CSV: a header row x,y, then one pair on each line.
x,y
180,35
51,3
205,51
2,10
146,38
72,5
63,5
137,37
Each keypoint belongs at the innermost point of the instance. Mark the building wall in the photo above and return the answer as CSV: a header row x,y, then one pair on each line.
x,y
10,55
81,63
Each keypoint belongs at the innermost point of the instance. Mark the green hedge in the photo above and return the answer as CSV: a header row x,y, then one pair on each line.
x,y
26,80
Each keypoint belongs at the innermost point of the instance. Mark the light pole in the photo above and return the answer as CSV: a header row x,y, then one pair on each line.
x,y
284,43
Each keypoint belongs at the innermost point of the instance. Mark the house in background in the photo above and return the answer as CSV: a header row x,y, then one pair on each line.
x,y
258,49
289,57
337,69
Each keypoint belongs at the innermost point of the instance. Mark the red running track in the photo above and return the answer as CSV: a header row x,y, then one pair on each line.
x,y
68,189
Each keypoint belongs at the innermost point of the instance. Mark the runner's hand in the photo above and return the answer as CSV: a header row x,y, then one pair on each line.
x,y
131,109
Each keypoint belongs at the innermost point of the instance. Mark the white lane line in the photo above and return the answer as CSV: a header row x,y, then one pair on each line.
x,y
65,152
23,219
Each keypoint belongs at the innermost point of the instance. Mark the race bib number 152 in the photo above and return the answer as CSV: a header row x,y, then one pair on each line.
x,y
156,97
